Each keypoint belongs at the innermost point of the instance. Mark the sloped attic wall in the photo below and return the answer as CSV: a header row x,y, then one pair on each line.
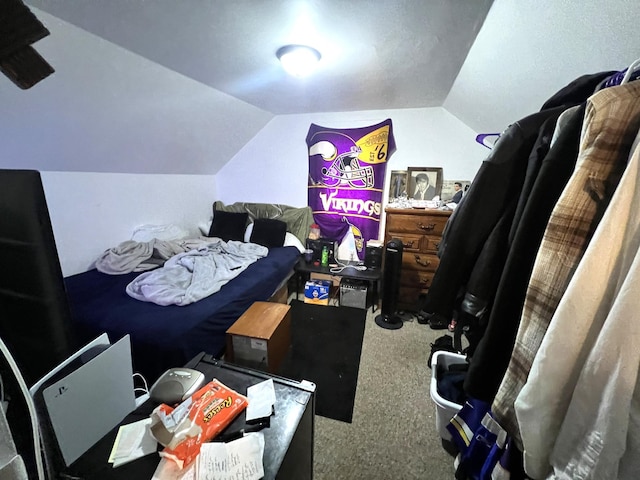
x,y
527,50
108,110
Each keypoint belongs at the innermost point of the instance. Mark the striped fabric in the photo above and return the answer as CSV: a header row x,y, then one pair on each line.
x,y
612,120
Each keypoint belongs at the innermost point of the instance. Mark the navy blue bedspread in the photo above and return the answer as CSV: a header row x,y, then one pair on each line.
x,y
169,336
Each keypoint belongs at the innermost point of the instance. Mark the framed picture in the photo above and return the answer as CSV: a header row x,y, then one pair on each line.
x,y
450,189
398,184
424,182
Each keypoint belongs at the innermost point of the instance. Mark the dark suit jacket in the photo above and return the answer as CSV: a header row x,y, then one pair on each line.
x,y
429,193
492,355
498,181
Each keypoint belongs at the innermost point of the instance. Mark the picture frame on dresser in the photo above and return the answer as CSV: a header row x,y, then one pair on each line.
x,y
397,184
418,189
448,190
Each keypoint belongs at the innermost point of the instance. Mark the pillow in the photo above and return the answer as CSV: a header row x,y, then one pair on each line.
x,y
228,225
268,232
290,240
204,227
247,232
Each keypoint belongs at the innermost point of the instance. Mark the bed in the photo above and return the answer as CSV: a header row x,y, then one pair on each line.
x,y
167,336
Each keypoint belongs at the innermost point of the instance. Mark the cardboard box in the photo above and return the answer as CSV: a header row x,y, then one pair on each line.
x,y
261,337
334,279
317,292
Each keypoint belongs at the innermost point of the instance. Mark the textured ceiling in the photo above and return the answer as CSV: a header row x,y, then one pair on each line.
x,y
376,55
181,87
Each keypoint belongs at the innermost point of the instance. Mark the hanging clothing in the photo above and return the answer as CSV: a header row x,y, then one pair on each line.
x,y
582,167
575,409
496,184
578,90
610,115
491,357
553,176
498,181
603,155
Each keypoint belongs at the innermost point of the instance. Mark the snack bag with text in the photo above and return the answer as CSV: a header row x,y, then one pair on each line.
x,y
182,430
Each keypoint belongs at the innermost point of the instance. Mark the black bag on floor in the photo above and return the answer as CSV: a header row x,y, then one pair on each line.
x,y
444,342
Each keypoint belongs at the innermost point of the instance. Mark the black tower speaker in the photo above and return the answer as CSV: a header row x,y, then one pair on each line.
x,y
391,285
373,257
35,319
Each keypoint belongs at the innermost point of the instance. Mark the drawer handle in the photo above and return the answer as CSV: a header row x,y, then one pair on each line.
x,y
408,244
419,261
429,226
437,245
425,281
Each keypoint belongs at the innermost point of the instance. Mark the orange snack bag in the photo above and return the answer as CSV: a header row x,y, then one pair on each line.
x,y
210,410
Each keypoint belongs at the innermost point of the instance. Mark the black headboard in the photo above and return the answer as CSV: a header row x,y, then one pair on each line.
x,y
35,321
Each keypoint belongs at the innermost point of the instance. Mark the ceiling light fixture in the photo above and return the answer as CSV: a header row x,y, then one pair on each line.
x,y
298,60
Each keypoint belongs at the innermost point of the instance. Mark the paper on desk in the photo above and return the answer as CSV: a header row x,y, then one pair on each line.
x,y
169,470
132,441
241,458
262,398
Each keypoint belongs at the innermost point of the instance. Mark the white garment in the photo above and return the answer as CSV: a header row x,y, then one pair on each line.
x,y
574,409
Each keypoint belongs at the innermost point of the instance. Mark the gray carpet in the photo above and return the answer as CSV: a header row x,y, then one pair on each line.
x,y
393,434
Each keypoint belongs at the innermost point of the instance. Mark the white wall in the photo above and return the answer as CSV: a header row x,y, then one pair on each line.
x,y
273,167
106,109
91,212
529,49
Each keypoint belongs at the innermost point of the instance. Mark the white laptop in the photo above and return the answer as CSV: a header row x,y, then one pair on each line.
x,y
84,404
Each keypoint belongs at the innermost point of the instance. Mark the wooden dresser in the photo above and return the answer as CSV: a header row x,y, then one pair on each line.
x,y
420,232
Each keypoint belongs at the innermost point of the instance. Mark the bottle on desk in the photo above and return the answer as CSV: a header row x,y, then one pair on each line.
x,y
325,257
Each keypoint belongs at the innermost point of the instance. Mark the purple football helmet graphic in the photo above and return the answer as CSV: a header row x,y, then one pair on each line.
x,y
345,169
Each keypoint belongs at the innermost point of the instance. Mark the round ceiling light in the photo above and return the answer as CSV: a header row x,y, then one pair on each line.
x,y
298,60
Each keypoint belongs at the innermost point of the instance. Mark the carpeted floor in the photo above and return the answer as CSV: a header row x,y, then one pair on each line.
x,y
326,347
393,433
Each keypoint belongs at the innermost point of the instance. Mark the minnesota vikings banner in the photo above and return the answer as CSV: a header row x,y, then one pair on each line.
x,y
346,179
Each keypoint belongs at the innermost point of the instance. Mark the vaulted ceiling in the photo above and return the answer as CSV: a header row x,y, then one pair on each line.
x,y
179,87
375,55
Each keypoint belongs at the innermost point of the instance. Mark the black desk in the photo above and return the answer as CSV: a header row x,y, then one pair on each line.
x,y
288,451
371,275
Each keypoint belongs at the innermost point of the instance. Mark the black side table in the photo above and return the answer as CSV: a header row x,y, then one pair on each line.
x,y
288,451
371,275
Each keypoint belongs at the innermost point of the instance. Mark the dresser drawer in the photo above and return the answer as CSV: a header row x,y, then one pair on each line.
x,y
419,261
409,297
416,279
430,244
420,232
410,242
418,224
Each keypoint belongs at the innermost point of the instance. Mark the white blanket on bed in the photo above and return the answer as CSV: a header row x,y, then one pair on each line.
x,y
196,274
